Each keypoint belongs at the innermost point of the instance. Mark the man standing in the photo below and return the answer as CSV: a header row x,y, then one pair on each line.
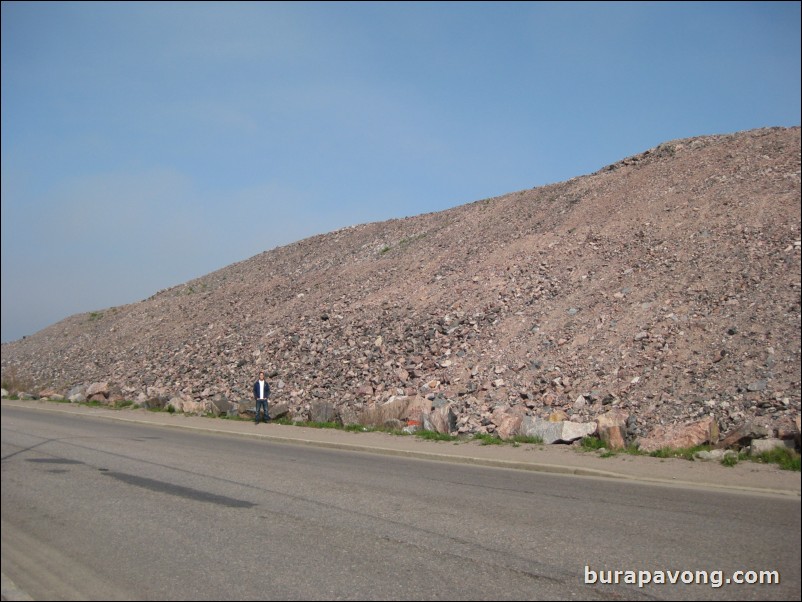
x,y
261,391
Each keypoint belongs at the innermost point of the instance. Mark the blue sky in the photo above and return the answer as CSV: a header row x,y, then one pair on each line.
x,y
146,144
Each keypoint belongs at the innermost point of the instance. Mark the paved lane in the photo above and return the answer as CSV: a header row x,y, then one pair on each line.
x,y
96,509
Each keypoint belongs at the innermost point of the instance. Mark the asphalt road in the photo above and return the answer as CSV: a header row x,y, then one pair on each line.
x,y
95,509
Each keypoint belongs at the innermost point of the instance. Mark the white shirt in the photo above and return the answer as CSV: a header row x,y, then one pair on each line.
x,y
261,389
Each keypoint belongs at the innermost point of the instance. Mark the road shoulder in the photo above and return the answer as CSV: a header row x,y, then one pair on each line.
x,y
745,477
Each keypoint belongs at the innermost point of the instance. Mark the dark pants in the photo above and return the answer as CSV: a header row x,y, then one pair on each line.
x,y
263,404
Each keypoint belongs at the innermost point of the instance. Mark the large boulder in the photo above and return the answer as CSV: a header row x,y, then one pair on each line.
x,y
219,405
508,422
416,408
681,436
562,431
156,403
277,410
322,411
742,436
612,428
393,409
246,408
348,415
440,420
199,408
95,389
760,446
77,390
177,403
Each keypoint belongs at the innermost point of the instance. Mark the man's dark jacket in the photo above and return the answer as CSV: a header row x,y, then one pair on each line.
x,y
256,390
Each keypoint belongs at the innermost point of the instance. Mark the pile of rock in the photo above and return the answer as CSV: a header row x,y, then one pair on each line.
x,y
655,297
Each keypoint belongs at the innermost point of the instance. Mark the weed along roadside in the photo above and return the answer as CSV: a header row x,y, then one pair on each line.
x,y
585,457
786,458
783,455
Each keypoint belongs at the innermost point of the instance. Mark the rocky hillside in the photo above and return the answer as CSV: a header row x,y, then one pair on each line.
x,y
666,285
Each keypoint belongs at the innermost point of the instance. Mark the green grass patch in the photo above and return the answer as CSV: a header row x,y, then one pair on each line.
x,y
435,436
488,439
358,428
285,420
785,458
685,453
167,408
389,431
592,444
519,439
